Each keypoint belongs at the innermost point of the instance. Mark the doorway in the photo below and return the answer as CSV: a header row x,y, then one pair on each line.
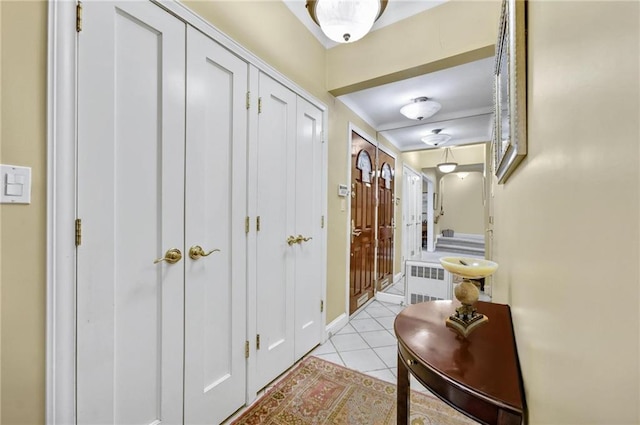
x,y
363,222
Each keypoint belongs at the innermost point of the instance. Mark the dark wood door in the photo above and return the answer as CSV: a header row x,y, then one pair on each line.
x,y
386,197
363,194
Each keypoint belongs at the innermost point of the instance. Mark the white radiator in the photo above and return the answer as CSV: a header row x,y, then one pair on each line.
x,y
427,282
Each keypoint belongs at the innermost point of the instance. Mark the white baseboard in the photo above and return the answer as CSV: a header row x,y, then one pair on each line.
x,y
390,298
397,277
335,326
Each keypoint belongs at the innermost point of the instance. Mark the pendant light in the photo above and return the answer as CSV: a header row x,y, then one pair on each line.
x,y
436,138
446,166
345,21
420,108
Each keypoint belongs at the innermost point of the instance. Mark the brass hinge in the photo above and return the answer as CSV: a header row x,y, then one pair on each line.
x,y
322,222
248,99
79,17
258,224
246,224
258,342
246,349
78,232
321,306
259,105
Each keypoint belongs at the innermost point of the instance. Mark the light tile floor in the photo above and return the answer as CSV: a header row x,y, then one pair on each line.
x,y
368,344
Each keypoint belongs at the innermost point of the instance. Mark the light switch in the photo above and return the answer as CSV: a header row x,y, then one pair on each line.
x,y
16,184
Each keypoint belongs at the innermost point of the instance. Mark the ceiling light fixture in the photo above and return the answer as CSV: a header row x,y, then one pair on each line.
x,y
345,21
420,109
446,166
436,138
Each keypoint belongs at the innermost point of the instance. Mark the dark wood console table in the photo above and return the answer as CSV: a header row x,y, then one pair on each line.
x,y
479,376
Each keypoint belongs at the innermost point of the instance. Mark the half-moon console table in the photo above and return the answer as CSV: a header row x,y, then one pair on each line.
x,y
478,376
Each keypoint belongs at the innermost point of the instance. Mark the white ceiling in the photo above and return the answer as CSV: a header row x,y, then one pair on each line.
x,y
465,92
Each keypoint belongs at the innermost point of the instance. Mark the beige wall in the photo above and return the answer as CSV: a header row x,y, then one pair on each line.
x,y
22,277
567,221
463,204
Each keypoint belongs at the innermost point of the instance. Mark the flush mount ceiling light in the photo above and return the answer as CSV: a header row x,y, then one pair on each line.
x,y
436,138
420,109
446,166
345,21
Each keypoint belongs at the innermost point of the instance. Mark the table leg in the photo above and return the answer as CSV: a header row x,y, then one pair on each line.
x,y
403,392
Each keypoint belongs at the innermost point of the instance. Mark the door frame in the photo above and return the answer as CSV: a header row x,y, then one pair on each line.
x,y
351,129
62,76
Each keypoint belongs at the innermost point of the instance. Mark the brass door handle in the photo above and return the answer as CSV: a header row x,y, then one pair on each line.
x,y
301,238
195,252
292,239
172,256
355,232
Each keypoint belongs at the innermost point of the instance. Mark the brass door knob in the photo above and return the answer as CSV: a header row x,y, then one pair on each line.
x,y
301,238
172,256
291,240
196,251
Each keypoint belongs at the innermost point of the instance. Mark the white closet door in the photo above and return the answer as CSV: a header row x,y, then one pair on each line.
x,y
275,207
308,211
215,208
130,199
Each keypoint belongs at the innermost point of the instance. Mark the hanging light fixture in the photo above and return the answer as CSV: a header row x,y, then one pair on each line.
x,y
446,166
436,138
420,108
345,21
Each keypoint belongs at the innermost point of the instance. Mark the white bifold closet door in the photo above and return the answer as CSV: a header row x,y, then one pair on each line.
x,y
289,286
131,130
215,210
161,165
308,216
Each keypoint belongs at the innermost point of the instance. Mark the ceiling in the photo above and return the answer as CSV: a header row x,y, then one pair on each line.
x,y
465,92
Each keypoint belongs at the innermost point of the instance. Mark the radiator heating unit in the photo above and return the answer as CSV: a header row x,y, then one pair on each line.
x,y
427,282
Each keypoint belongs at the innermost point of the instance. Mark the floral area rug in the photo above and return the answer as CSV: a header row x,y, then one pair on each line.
x,y
318,392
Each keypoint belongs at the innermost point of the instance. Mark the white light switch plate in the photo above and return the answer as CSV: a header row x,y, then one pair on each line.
x,y
15,185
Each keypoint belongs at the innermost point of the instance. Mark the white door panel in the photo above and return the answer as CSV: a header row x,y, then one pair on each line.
x,y
308,273
215,285
130,197
275,207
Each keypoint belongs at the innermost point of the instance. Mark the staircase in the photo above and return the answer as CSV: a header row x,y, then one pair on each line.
x,y
462,243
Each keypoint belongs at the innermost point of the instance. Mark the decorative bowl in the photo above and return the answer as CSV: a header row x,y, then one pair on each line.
x,y
469,268
467,319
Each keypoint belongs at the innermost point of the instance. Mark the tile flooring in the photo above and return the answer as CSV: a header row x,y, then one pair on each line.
x,y
367,344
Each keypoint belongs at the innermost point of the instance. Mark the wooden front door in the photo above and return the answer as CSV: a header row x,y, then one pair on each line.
x,y
386,197
363,213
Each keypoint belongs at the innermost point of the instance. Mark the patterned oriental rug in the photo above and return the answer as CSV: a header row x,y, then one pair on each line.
x,y
318,392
